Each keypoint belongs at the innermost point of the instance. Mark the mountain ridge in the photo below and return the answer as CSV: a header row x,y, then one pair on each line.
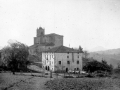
x,y
109,51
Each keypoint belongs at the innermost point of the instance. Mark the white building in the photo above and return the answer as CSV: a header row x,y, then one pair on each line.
x,y
62,58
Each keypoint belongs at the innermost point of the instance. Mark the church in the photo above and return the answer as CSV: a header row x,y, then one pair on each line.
x,y
44,42
53,54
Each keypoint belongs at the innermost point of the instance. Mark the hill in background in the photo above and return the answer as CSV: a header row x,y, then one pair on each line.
x,y
112,56
99,48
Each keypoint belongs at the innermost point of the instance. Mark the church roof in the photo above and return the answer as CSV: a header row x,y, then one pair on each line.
x,y
63,49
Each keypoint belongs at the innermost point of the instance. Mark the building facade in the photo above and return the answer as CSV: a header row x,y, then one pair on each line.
x,y
62,58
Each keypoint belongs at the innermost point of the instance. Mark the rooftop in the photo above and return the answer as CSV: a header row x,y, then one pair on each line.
x,y
63,49
53,34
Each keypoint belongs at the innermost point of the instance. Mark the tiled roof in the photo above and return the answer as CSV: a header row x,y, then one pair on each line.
x,y
63,49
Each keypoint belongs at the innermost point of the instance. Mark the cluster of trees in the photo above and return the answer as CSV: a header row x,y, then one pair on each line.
x,y
91,65
95,65
14,57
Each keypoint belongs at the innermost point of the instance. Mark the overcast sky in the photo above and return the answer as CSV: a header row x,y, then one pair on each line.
x,y
89,23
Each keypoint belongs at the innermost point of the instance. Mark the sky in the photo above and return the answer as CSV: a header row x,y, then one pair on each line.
x,y
89,23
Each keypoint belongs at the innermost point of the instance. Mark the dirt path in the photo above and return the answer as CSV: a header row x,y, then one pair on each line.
x,y
39,83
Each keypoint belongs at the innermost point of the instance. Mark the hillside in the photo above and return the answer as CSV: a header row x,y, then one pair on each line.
x,y
110,51
112,56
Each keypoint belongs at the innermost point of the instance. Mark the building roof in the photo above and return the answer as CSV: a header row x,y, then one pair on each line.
x,y
53,34
63,49
42,44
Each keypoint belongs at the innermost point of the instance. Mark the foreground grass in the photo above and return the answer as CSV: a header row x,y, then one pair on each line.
x,y
84,84
7,79
24,81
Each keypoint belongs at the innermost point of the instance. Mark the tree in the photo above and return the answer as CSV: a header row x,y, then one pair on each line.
x,y
14,56
95,65
104,62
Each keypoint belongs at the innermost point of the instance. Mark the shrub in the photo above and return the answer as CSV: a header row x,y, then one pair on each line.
x,y
100,73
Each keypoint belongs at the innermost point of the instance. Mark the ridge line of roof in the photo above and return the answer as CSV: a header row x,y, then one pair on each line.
x,y
56,49
54,34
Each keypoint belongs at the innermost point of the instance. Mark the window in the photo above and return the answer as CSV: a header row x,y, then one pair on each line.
x,y
68,53
78,56
77,62
67,56
77,68
60,62
52,56
47,57
68,62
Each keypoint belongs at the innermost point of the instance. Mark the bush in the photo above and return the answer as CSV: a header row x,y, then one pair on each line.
x,y
101,74
117,70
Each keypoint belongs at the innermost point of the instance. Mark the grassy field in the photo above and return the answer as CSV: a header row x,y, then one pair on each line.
x,y
84,84
24,81
8,79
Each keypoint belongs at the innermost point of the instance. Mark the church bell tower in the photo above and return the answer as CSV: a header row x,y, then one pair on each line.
x,y
40,32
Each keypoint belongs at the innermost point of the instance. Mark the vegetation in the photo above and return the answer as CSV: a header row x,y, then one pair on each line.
x,y
95,65
15,56
84,84
92,65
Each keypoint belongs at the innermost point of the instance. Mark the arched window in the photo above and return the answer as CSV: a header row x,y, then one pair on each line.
x,y
66,69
